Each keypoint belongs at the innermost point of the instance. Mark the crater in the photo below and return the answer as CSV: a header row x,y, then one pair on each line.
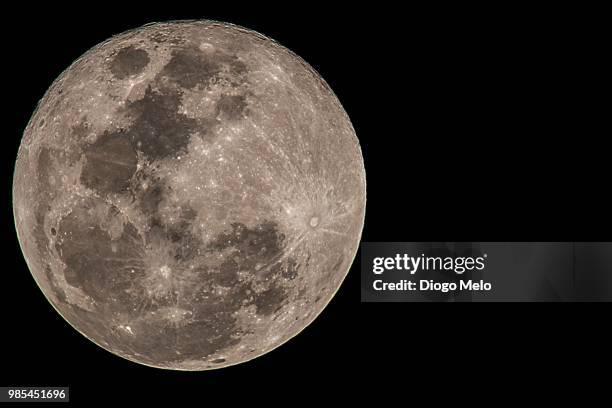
x,y
314,222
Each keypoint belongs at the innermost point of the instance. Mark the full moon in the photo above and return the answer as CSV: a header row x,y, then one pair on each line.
x,y
189,195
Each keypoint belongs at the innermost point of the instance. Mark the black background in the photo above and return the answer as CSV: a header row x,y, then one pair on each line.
x,y
475,124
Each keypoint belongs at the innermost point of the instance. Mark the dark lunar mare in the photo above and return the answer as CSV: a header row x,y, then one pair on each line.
x,y
159,130
111,277
189,67
129,61
100,266
110,163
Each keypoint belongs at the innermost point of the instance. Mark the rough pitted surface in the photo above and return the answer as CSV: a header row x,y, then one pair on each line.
x,y
189,195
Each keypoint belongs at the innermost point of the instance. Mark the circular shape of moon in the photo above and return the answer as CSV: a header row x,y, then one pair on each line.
x,y
189,195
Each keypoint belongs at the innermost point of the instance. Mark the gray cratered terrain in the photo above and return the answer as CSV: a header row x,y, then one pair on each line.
x,y
189,195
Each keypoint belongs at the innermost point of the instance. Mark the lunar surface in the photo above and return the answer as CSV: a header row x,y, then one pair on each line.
x,y
189,195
